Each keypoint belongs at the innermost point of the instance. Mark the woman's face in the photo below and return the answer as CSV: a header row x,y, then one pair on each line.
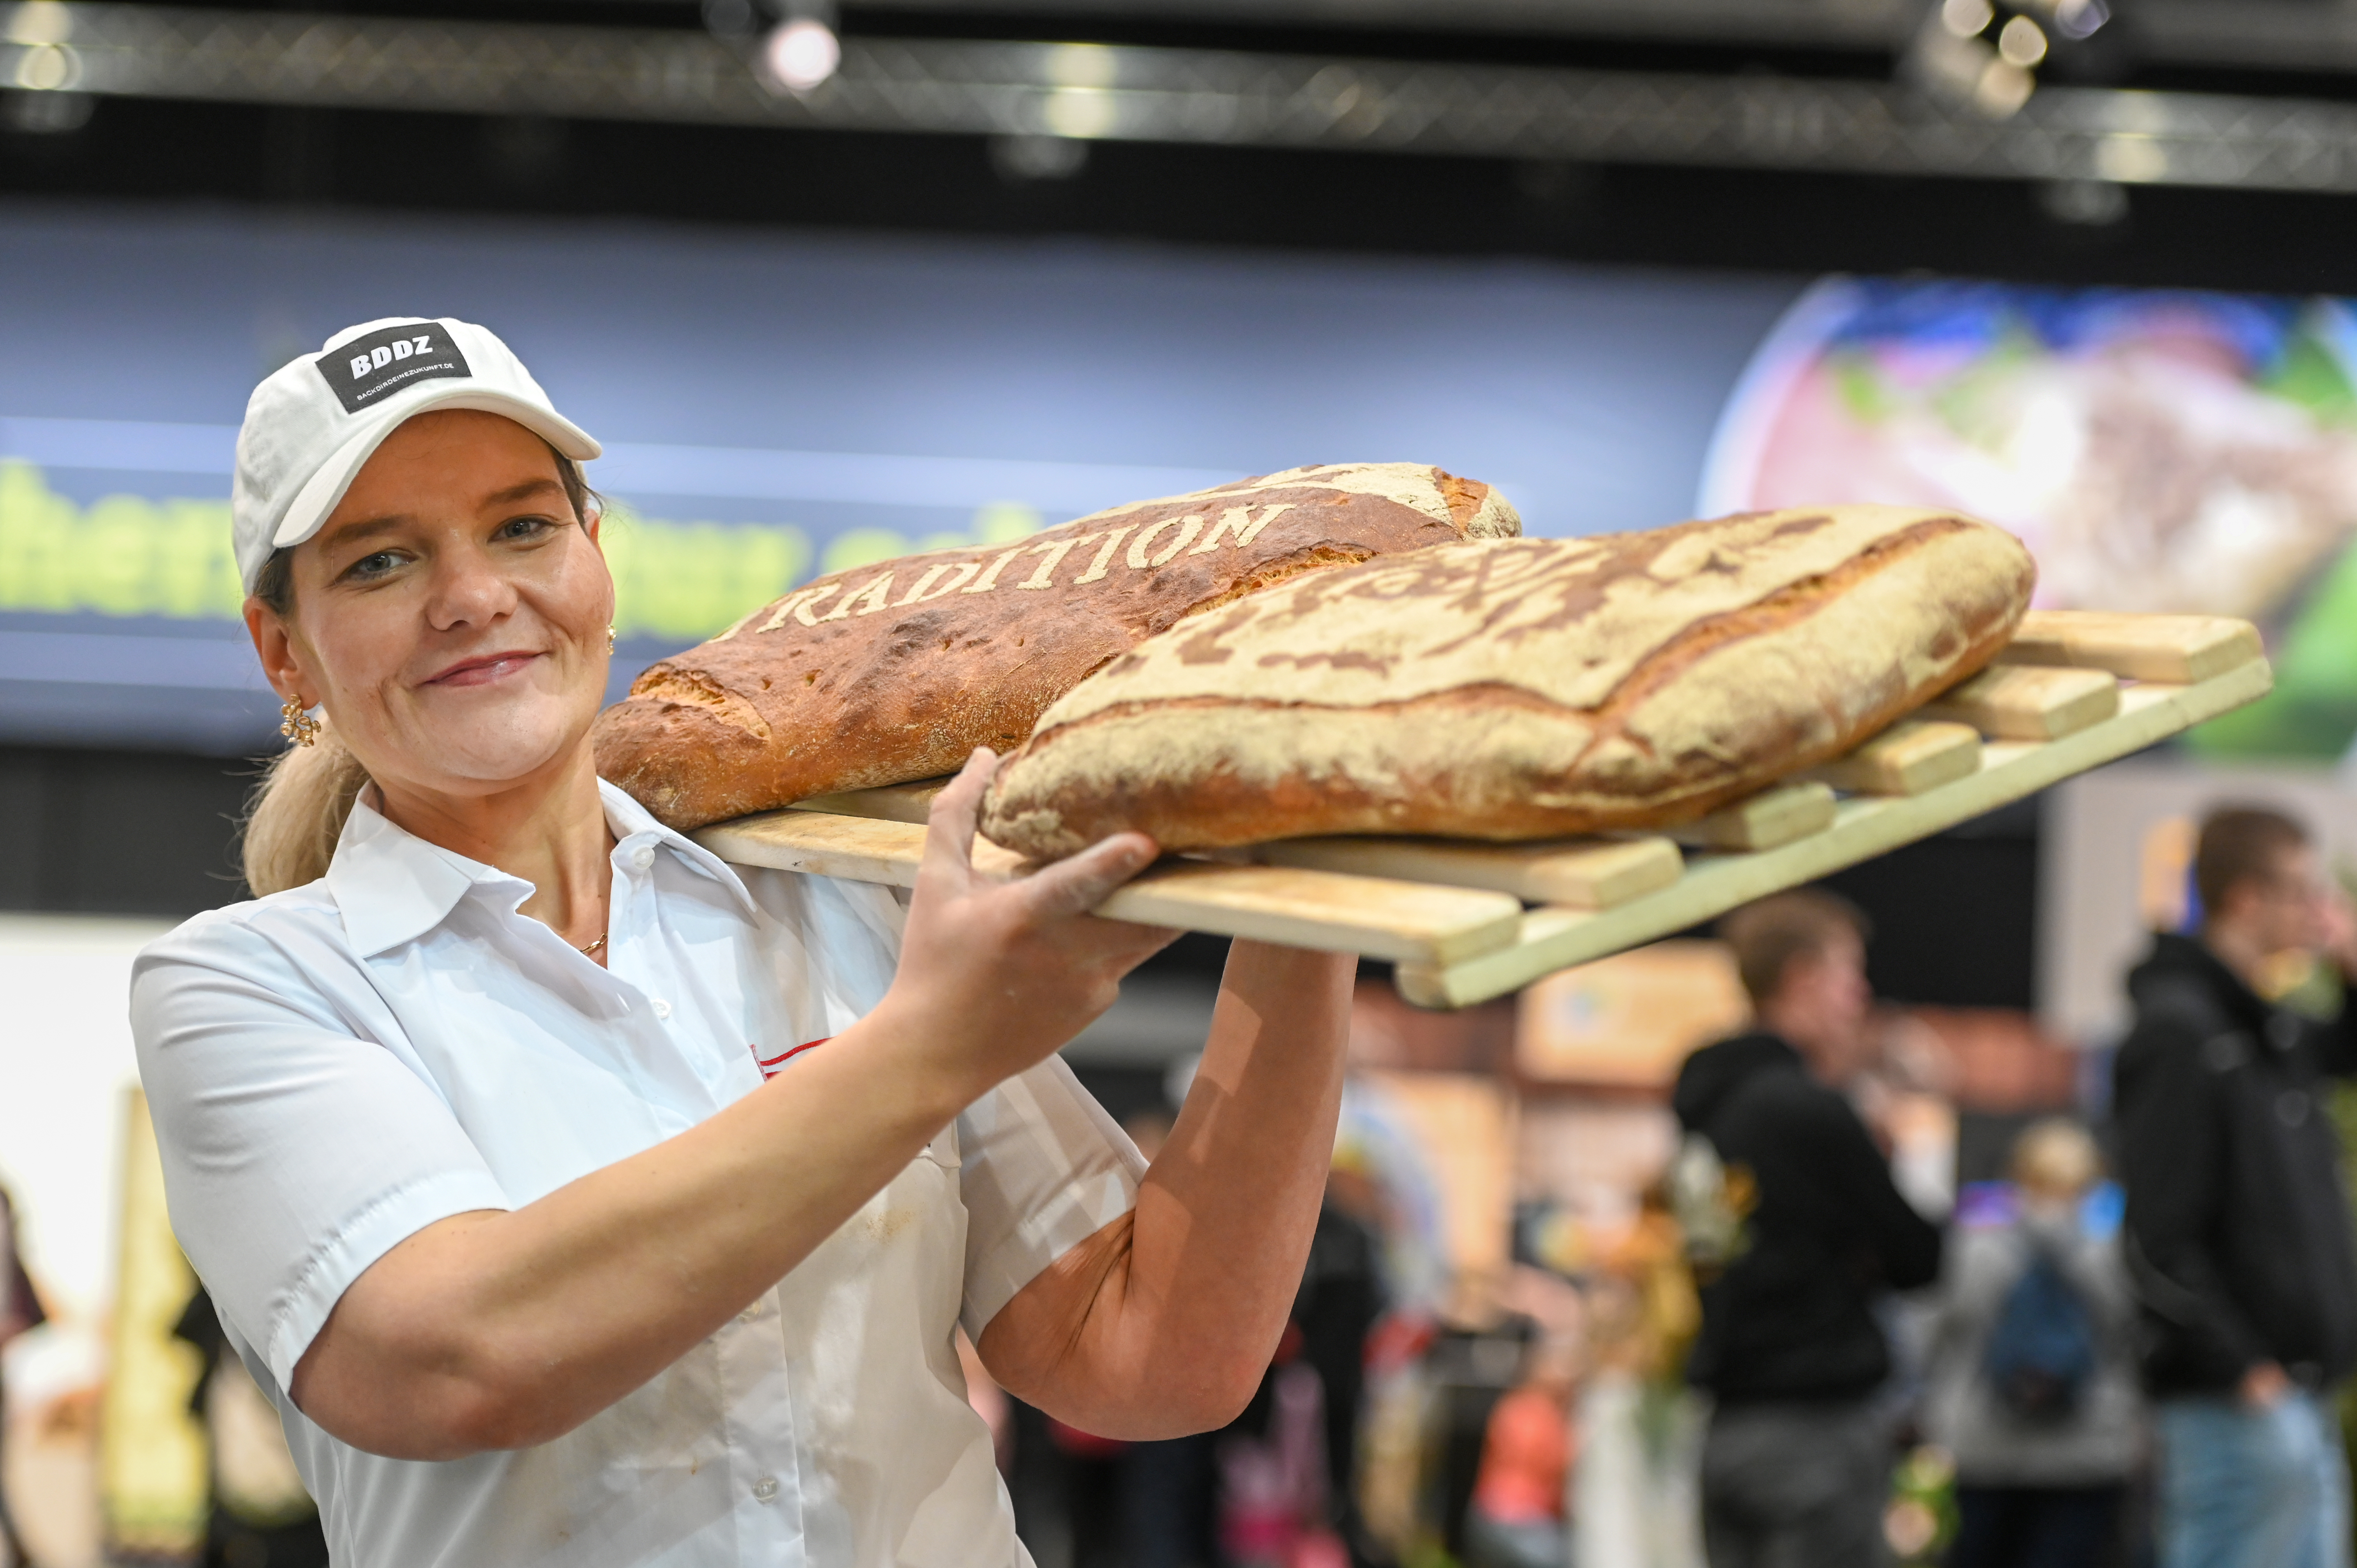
x,y
451,614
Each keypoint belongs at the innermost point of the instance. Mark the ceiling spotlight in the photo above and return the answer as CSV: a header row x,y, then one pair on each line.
x,y
2022,43
2002,89
801,54
1966,18
2080,18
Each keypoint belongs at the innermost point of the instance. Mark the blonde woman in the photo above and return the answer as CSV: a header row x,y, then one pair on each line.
x,y
580,1200
2032,1382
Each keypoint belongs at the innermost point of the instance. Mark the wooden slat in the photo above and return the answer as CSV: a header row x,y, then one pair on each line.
x,y
1774,816
1584,874
1555,938
1910,757
891,803
2177,648
1378,917
2018,701
863,849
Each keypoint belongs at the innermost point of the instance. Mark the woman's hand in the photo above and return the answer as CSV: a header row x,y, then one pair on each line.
x,y
995,976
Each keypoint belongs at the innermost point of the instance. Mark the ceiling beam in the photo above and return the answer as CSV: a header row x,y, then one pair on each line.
x,y
1870,25
1211,97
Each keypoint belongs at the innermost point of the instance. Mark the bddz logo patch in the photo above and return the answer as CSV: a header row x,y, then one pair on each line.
x,y
369,370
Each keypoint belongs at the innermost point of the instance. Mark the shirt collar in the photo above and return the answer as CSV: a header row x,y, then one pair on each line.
x,y
392,886
628,821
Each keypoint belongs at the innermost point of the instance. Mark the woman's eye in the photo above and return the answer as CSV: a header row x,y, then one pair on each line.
x,y
517,528
375,565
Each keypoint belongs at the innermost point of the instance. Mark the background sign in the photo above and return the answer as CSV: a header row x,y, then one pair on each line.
x,y
2156,451
774,407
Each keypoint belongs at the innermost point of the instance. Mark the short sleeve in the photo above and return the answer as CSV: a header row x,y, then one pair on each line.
x,y
296,1151
1042,1169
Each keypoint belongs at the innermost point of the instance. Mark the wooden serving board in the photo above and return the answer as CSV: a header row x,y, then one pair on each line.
x,y
2071,693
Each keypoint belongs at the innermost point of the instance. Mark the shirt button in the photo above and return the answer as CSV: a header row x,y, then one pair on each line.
x,y
642,857
663,1008
765,1490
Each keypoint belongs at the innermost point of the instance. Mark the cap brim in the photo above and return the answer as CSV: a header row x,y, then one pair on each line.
x,y
321,493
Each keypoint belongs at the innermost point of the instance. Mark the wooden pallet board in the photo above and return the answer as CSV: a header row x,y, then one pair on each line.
x,y
2179,650
1450,913
2023,701
1865,826
1580,874
1910,757
1407,922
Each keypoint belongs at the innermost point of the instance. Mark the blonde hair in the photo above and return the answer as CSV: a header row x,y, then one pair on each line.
x,y
2056,1159
298,812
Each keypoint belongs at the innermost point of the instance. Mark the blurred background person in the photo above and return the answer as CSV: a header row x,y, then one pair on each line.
x,y
1517,1518
2032,1380
2238,1233
1798,1227
260,1514
1287,1465
20,1309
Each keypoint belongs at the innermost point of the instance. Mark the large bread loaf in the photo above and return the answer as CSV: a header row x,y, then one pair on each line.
x,y
898,671
1524,688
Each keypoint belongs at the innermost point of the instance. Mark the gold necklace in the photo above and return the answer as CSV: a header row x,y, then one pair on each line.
x,y
591,951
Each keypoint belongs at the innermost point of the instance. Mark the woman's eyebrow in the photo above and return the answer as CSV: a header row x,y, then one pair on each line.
x,y
361,528
518,492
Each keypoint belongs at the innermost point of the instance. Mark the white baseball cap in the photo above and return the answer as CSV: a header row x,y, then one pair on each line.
x,y
314,420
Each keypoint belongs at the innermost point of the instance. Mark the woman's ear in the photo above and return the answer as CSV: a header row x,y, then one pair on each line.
x,y
273,645
593,516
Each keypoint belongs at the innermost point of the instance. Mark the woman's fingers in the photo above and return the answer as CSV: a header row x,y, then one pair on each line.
x,y
950,823
1080,883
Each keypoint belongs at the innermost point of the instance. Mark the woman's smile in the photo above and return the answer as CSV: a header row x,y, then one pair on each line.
x,y
484,669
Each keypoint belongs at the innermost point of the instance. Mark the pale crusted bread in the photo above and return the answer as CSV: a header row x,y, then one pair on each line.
x,y
1522,687
898,671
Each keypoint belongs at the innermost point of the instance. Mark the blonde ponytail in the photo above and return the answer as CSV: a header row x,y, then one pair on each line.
x,y
299,813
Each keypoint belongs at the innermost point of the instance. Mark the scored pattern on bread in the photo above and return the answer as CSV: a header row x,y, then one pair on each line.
x,y
1522,687
896,672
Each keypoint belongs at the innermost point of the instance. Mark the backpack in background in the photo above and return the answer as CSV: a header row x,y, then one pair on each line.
x,y
2041,1357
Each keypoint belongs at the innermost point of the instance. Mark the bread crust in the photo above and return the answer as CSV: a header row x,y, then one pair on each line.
x,y
1521,689
898,671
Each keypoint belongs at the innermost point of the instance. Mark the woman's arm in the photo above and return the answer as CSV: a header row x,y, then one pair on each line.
x,y
1162,1323
500,1330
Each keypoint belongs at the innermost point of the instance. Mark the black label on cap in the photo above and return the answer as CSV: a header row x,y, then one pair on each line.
x,y
369,370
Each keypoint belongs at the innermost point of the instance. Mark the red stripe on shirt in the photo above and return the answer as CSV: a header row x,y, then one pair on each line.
x,y
772,1065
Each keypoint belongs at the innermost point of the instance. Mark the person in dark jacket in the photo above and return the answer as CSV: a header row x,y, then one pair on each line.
x,y
1795,1226
2238,1232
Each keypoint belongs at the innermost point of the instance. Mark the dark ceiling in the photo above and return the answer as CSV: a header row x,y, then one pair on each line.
x,y
1556,184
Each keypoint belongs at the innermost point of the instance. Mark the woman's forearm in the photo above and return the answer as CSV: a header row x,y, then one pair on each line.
x,y
1163,1322
498,1330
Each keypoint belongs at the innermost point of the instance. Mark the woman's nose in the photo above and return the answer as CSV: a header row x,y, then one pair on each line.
x,y
469,589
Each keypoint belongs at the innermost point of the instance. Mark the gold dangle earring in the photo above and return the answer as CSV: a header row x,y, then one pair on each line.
x,y
610,640
295,723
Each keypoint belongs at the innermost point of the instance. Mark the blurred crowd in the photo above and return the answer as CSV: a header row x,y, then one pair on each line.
x,y
1805,1348
1801,1345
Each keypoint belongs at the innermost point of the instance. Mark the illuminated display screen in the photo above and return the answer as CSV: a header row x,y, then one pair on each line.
x,y
773,407
2158,451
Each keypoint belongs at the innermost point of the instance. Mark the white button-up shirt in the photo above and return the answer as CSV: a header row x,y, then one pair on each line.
x,y
332,1068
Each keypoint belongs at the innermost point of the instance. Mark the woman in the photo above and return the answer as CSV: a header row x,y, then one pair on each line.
x,y
2032,1382
465,1123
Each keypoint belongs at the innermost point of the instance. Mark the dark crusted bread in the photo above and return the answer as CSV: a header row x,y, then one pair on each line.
x,y
1523,688
898,671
